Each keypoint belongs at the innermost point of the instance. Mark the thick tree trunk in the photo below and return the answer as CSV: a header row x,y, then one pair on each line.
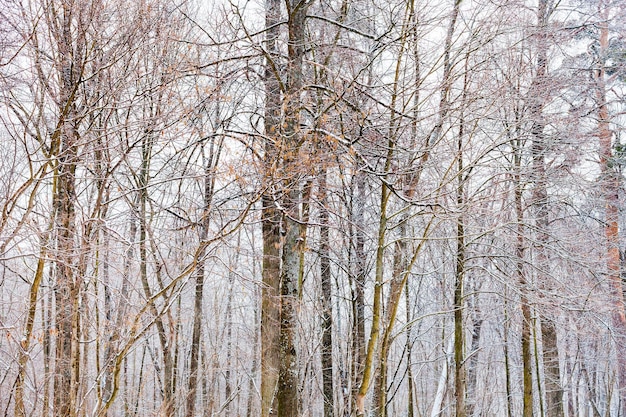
x,y
287,396
270,218
538,97
66,289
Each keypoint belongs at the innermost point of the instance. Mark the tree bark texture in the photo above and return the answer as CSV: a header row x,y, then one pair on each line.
x,y
326,300
610,189
270,218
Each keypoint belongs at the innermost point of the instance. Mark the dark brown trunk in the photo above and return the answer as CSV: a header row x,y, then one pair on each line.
x,y
527,366
327,306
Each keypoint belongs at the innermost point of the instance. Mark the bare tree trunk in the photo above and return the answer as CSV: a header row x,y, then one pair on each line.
x,y
372,344
287,396
358,284
210,161
552,384
326,300
409,352
472,367
270,292
167,406
460,373
610,189
521,279
66,288
19,409
459,328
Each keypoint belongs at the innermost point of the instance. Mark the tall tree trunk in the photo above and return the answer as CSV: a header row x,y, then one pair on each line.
x,y
459,328
400,271
19,409
472,366
167,407
287,396
327,306
552,384
411,403
507,361
610,189
65,143
460,374
270,218
209,161
358,284
527,372
372,343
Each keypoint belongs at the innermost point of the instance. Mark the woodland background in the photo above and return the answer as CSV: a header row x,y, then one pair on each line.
x,y
312,208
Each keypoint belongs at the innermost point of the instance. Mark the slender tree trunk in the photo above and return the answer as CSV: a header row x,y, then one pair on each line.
x,y
19,409
411,404
507,361
326,300
167,406
459,328
472,367
527,372
210,161
610,189
372,344
358,284
460,374
229,394
400,272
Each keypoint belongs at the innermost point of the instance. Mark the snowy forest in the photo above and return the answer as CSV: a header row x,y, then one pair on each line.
x,y
313,208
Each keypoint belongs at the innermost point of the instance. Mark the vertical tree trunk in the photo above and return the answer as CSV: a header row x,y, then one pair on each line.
x,y
210,161
472,367
167,406
459,328
527,372
411,404
270,292
610,189
65,143
552,384
326,300
287,396
460,373
401,267
358,284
